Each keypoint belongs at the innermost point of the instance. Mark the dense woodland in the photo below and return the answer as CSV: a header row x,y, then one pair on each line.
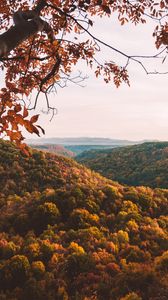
x,y
144,164
68,233
57,149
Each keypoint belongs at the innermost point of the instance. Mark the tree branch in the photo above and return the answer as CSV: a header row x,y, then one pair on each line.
x,y
41,4
53,71
134,58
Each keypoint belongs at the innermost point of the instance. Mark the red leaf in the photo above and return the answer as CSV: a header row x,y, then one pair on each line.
x,y
162,5
34,118
106,9
17,108
30,127
25,112
19,119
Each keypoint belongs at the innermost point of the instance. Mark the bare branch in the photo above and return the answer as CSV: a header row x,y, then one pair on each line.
x,y
100,41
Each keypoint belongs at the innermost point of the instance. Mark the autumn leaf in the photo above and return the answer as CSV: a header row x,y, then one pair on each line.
x,y
19,119
34,118
162,5
30,127
25,112
38,58
106,9
17,108
16,135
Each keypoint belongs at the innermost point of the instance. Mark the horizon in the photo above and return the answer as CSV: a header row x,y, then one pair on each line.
x,y
94,137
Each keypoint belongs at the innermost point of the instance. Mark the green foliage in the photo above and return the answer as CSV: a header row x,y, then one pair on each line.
x,y
78,263
44,215
38,269
7,249
144,164
81,218
162,262
15,271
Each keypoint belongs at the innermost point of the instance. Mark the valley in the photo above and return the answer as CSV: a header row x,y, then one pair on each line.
x,y
66,232
74,146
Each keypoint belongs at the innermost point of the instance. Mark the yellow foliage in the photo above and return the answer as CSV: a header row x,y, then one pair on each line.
x,y
123,236
56,43
132,225
76,248
131,296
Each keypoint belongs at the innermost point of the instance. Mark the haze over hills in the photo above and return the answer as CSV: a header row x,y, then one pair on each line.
x,y
144,164
74,146
69,150
80,141
68,233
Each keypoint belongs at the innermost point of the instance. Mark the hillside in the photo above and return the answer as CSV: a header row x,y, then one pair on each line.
x,y
69,150
66,233
71,147
145,164
53,148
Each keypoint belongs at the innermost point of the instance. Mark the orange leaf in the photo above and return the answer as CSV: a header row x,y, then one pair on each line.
x,y
11,112
30,127
14,126
19,119
25,112
17,108
34,118
15,135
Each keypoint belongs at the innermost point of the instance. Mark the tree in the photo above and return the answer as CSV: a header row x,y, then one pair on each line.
x,y
14,272
42,40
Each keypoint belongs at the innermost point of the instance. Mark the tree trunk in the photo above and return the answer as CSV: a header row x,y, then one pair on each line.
x,y
28,23
16,35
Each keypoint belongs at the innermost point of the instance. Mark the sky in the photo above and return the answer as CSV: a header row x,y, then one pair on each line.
x,y
98,109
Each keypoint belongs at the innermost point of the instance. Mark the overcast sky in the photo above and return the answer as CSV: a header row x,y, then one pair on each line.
x,y
101,110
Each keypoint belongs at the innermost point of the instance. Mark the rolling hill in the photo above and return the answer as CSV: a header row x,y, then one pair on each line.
x,y
67,233
144,164
80,141
53,148
69,150
73,146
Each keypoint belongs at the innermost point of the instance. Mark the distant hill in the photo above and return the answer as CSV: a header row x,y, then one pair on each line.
x,y
80,141
73,146
67,233
69,150
78,149
144,164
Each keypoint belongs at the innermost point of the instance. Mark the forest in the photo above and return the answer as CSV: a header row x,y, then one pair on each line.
x,y
66,232
145,164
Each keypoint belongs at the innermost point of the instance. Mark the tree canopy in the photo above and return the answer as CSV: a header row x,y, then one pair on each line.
x,y
144,164
42,40
68,233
